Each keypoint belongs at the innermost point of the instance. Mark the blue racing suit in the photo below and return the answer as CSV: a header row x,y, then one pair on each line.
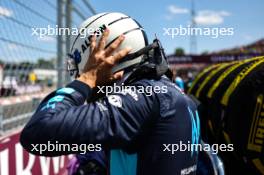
x,y
150,125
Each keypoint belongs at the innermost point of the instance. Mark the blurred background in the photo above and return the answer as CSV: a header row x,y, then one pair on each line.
x,y
32,66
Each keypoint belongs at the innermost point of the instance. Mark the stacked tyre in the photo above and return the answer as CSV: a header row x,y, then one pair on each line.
x,y
232,111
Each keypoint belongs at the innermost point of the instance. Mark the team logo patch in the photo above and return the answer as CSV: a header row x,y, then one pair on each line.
x,y
115,100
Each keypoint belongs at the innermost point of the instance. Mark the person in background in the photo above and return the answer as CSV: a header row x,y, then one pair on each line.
x,y
179,81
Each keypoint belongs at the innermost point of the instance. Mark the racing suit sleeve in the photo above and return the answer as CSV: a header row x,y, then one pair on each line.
x,y
63,117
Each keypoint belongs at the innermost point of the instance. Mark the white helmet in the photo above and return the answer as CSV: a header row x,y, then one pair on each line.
x,y
118,24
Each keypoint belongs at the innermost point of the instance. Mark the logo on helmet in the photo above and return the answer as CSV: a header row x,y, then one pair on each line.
x,y
76,56
98,32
